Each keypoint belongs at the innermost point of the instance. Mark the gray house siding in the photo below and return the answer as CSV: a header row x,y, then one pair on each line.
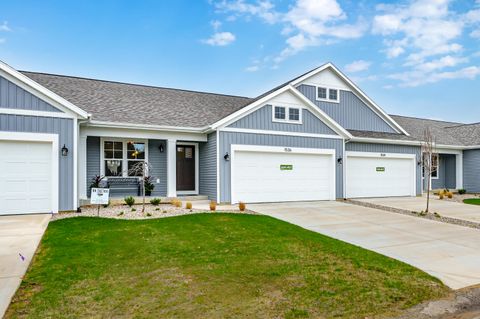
x,y
157,160
64,129
351,112
208,167
158,163
261,119
389,148
14,97
446,172
471,170
229,138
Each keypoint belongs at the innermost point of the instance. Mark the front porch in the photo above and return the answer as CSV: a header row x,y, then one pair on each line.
x,y
174,166
448,172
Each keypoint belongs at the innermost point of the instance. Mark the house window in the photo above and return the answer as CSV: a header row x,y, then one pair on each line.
x,y
120,156
279,113
135,154
113,158
322,93
333,94
294,114
435,161
328,94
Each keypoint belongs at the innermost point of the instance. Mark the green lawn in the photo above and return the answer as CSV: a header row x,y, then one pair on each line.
x,y
472,201
210,266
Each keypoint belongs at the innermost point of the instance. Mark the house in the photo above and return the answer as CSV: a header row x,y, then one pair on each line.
x,y
316,137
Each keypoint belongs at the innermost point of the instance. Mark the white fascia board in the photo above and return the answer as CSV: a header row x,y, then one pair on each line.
x,y
373,105
283,133
35,113
413,143
321,114
94,123
246,109
41,90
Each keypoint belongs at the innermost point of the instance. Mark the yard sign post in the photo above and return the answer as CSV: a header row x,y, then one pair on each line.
x,y
99,196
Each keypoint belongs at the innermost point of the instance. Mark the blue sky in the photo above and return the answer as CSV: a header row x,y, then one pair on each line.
x,y
418,58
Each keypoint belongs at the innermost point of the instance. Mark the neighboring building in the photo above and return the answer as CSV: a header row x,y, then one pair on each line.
x,y
317,137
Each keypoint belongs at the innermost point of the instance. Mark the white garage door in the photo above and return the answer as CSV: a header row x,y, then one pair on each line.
x,y
380,175
279,174
25,177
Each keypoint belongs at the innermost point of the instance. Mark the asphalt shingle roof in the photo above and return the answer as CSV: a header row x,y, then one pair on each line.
x,y
139,104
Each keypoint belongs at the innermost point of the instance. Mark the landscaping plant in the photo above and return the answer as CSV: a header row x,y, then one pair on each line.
x,y
450,195
129,200
176,202
155,201
188,205
462,191
213,206
141,169
149,185
241,206
96,180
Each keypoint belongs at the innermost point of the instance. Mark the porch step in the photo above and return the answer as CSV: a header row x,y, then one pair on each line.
x,y
139,199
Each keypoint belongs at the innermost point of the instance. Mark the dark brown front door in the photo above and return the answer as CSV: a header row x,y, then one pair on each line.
x,y
185,168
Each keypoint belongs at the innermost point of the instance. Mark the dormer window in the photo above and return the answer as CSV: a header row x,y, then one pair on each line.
x,y
328,94
287,114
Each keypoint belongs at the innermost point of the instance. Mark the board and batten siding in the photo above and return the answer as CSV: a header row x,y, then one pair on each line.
x,y
390,148
471,170
208,167
64,129
446,172
229,138
351,113
261,119
157,160
14,97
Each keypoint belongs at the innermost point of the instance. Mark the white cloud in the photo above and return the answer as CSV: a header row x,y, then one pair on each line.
x,y
417,78
252,68
475,34
4,27
446,61
216,24
263,9
357,66
3,40
220,39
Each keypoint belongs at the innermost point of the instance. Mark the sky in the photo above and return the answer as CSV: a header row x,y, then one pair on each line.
x,y
415,58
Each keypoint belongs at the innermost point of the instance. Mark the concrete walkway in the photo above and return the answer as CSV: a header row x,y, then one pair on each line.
x,y
443,207
448,252
19,236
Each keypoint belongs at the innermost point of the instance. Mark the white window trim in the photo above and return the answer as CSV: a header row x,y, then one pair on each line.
x,y
41,137
438,166
328,94
287,114
197,169
124,159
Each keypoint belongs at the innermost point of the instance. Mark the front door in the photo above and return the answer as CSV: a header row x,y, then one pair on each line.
x,y
185,168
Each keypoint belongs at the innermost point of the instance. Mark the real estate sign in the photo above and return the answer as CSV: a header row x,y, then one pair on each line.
x,y
99,196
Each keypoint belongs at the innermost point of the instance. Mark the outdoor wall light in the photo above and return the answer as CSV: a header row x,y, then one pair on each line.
x,y
64,150
160,148
340,160
226,156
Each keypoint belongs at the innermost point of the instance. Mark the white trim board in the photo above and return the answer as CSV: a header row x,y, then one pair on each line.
x,y
278,149
197,169
283,133
41,137
35,113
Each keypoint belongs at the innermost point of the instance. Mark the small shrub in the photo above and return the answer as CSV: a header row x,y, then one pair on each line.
x,y
158,208
108,204
149,215
450,195
134,209
213,206
441,193
155,201
422,213
188,205
121,213
242,206
176,202
441,196
462,191
129,200
164,212
436,215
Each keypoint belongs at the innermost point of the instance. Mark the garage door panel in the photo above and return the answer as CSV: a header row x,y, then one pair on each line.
x,y
380,176
26,181
258,178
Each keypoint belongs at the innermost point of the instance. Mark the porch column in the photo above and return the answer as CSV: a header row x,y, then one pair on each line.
x,y
459,170
82,167
171,168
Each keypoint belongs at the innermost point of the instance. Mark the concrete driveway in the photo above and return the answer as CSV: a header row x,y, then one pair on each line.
x,y
443,207
448,252
19,237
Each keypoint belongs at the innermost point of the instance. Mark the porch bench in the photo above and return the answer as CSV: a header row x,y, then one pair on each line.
x,y
120,187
